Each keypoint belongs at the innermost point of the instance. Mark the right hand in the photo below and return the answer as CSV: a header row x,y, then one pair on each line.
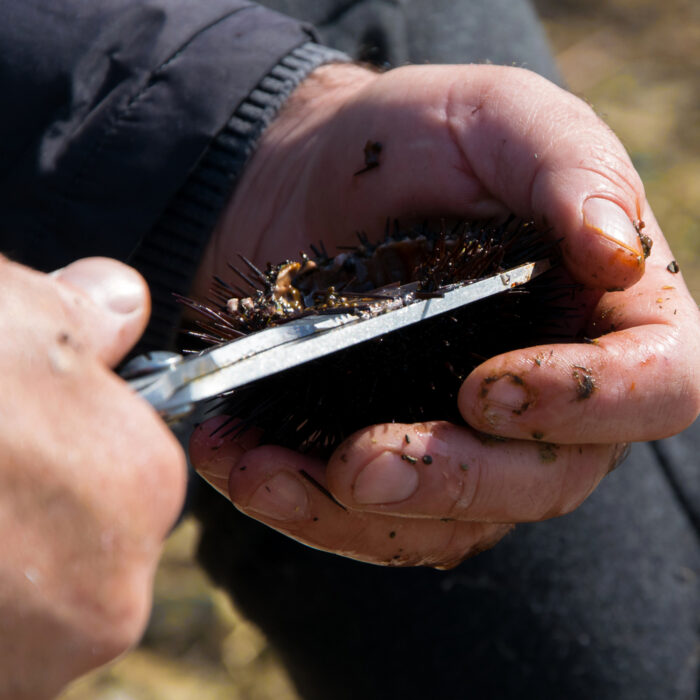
x,y
91,480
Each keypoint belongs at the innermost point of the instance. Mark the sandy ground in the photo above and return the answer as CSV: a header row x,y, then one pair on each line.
x,y
637,62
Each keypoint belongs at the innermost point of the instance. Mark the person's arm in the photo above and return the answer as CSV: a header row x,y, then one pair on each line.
x,y
126,123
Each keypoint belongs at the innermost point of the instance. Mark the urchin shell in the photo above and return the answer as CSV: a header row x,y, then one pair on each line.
x,y
410,375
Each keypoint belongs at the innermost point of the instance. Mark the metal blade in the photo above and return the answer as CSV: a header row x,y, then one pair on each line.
x,y
268,352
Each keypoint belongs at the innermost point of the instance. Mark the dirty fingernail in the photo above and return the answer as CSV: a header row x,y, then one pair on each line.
x,y
505,397
282,497
386,479
607,219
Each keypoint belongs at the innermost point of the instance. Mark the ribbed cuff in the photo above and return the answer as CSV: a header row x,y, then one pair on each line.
x,y
169,254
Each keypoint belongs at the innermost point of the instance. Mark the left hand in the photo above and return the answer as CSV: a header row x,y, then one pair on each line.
x,y
472,142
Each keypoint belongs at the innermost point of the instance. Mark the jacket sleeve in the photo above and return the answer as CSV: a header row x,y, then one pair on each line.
x,y
126,123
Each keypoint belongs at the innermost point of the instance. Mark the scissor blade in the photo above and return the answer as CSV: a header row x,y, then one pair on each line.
x,y
269,352
167,390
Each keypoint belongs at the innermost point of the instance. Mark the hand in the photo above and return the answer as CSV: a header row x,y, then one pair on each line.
x,y
90,479
472,142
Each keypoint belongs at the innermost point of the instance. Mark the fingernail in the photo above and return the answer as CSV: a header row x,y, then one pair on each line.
x,y
607,219
111,285
505,397
283,497
386,479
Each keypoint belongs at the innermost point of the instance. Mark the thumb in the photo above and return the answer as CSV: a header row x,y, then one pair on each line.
x,y
549,157
119,300
479,141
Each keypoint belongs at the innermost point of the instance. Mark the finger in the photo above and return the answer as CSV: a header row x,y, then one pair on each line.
x,y
110,303
638,382
623,388
288,492
442,470
477,140
216,446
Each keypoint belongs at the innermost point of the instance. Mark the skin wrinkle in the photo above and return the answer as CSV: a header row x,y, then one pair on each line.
x,y
541,166
532,124
483,202
460,504
614,196
355,536
476,467
595,479
283,202
482,537
619,454
620,167
539,171
453,114
658,343
691,390
559,505
588,408
616,395
616,163
448,553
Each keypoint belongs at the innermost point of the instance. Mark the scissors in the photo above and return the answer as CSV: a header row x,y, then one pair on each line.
x,y
174,384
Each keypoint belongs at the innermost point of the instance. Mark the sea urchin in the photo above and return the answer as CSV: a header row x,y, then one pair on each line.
x,y
410,375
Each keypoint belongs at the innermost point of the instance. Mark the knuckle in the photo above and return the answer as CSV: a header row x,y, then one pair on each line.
x,y
467,490
580,474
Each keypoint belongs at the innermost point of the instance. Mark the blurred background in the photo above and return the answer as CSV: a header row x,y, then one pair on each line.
x,y
637,62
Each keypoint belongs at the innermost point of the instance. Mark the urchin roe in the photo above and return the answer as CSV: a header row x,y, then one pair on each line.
x,y
284,292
